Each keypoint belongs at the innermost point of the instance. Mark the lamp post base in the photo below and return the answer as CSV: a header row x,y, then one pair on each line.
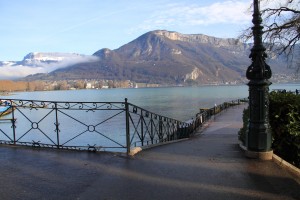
x,y
259,155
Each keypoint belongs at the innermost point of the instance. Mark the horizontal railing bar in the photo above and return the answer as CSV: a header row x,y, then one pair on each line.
x,y
116,102
149,112
61,146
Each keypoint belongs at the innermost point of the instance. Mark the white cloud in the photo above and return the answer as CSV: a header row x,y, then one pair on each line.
x,y
19,71
228,12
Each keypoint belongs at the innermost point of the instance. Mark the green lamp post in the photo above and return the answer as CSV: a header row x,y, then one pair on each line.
x,y
259,136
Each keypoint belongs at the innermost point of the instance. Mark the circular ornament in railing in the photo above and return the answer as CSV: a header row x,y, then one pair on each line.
x,y
91,128
34,125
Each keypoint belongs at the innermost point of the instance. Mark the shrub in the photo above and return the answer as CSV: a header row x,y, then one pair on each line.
x,y
243,130
285,123
284,117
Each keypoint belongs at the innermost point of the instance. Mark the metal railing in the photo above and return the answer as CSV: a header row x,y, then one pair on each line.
x,y
93,126
297,92
151,128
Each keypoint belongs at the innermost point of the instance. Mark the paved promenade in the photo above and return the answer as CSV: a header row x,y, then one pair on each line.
x,y
209,166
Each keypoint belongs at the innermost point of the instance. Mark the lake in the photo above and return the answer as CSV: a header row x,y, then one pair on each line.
x,y
181,103
106,128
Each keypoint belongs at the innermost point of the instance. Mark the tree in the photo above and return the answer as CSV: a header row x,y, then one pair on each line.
x,y
40,85
31,86
62,85
281,21
79,84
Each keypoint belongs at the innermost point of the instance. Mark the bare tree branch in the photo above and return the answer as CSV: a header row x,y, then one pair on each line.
x,y
281,26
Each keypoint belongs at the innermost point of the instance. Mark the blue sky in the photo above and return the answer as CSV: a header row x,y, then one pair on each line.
x,y
85,26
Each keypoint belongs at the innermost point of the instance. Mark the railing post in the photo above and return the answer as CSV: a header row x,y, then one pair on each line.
x,y
13,121
56,125
152,129
168,130
160,133
177,130
127,127
142,127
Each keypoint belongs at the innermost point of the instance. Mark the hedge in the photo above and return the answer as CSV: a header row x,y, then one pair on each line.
x,y
285,125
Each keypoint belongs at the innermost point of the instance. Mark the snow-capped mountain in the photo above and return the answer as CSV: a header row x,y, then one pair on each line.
x,y
37,58
37,62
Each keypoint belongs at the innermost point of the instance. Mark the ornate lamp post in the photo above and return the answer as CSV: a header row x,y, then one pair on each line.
x,y
259,134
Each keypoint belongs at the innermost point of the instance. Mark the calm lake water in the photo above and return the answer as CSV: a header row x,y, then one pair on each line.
x,y
180,103
107,128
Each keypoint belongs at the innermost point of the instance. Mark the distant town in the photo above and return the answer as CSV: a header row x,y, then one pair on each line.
x,y
46,85
10,86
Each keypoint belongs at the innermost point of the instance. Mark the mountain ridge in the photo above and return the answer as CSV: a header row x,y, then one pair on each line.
x,y
166,57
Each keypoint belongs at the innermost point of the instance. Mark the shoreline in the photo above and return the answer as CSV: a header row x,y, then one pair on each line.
x,y
171,86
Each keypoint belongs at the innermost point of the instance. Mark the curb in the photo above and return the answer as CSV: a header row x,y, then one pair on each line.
x,y
136,150
279,161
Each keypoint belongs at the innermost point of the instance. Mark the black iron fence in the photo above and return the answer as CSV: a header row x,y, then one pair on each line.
x,y
93,126
297,92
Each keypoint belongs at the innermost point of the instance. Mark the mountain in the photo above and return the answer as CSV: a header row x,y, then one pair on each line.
x,y
37,62
166,57
36,59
